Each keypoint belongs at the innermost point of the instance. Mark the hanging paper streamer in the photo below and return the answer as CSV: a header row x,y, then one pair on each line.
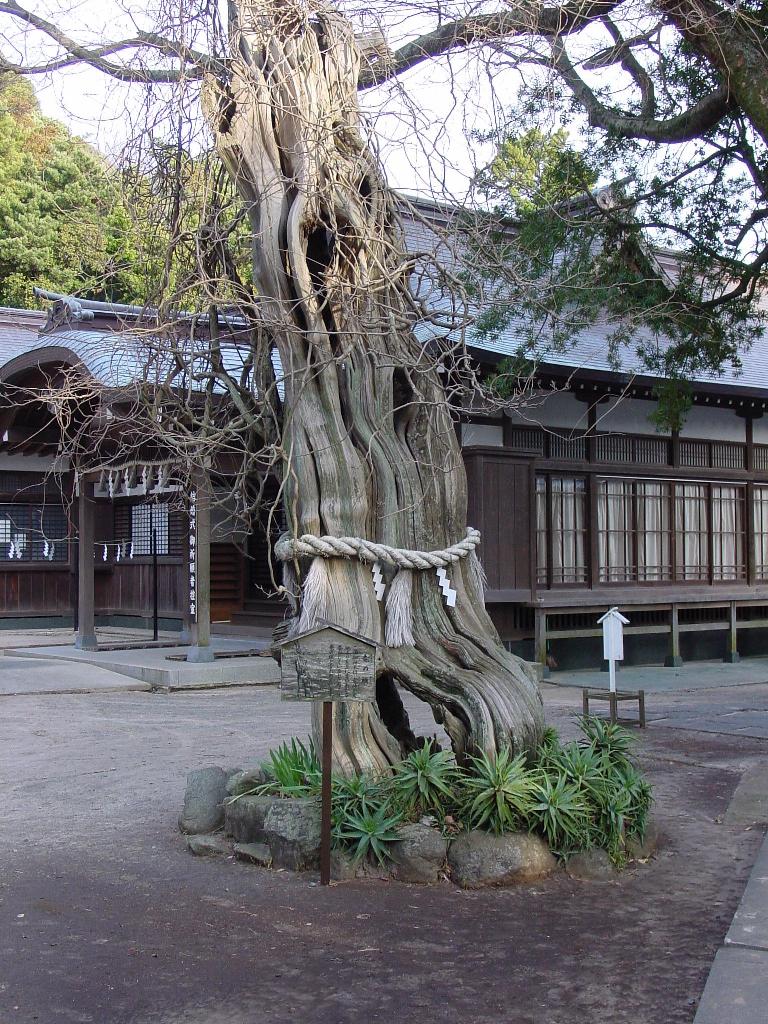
x,y
131,551
118,552
104,556
45,549
51,552
378,581
12,550
445,585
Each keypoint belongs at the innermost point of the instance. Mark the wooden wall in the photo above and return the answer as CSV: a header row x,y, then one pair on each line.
x,y
127,589
36,591
500,502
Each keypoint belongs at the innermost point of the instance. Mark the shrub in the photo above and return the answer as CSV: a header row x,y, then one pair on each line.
x,y
498,792
425,781
560,811
607,738
577,795
367,832
292,770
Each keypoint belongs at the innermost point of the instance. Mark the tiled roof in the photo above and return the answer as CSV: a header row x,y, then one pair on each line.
x,y
116,358
589,349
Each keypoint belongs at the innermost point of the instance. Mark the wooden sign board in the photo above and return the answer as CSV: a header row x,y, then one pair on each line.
x,y
328,663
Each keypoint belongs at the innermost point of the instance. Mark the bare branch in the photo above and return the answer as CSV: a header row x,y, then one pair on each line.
x,y
521,18
691,123
195,64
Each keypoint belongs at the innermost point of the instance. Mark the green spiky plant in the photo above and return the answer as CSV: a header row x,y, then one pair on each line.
x,y
292,769
560,812
368,833
425,782
498,792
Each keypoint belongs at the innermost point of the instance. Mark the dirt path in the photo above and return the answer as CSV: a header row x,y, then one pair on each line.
x,y
121,926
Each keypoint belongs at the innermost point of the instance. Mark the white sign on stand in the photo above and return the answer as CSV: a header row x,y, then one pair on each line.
x,y
613,623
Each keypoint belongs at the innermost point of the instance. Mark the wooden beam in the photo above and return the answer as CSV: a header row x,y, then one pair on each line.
x,y
86,623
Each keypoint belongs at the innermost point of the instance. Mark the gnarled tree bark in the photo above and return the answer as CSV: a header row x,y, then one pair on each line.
x,y
370,446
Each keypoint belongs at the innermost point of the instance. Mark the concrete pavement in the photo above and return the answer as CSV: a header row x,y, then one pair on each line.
x,y
158,668
693,676
737,987
22,676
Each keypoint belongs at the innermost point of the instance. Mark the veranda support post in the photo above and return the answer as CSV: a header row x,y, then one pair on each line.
x,y
86,621
201,651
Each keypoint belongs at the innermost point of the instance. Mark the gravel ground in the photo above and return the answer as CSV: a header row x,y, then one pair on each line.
x,y
105,918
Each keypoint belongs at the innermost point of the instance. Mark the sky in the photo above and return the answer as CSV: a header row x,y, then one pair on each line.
x,y
426,124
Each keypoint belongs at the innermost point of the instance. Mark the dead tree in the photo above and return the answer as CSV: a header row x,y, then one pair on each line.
x,y
370,446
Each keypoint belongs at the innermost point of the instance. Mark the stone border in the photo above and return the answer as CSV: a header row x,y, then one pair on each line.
x,y
284,833
736,991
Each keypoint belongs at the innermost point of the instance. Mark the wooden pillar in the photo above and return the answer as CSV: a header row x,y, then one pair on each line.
x,y
86,616
749,443
675,448
732,651
674,659
540,630
200,512
190,596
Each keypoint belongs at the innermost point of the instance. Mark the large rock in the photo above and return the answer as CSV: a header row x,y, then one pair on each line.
x,y
243,780
593,865
209,846
204,801
638,850
419,856
292,832
244,818
343,868
254,853
478,859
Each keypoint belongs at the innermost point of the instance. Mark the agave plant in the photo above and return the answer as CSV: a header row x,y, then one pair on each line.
x,y
561,812
498,792
425,781
640,795
548,749
607,738
368,832
588,769
356,794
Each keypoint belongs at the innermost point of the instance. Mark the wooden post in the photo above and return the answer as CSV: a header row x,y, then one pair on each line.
x,y
732,651
86,618
675,448
200,651
540,631
325,823
673,659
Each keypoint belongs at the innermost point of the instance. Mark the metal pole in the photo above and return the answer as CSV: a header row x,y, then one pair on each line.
x,y
76,587
154,571
325,826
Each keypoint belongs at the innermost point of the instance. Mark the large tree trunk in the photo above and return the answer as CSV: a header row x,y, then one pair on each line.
x,y
370,448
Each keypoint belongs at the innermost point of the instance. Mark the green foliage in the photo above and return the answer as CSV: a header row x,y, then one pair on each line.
x,y
607,738
293,769
576,795
63,225
654,264
560,811
368,833
539,169
498,792
364,819
425,782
